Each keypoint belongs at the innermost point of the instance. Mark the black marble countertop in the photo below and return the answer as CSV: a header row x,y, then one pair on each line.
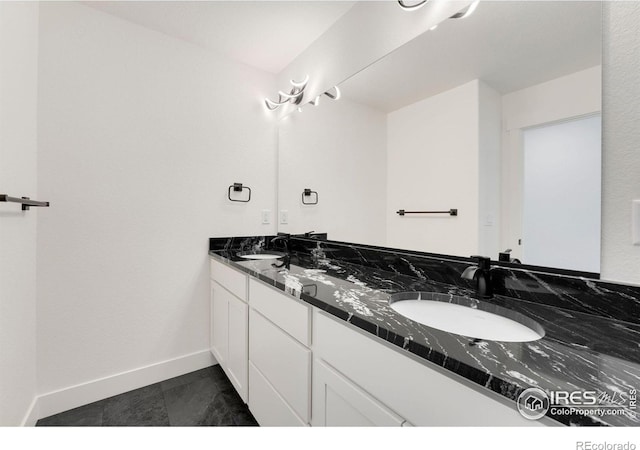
x,y
579,351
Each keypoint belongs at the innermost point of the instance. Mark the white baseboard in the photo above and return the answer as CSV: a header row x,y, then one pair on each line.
x,y
32,415
71,397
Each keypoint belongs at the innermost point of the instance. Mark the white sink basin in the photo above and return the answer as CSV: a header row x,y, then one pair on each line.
x,y
435,311
260,256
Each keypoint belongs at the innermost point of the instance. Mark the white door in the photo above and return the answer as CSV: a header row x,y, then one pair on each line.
x,y
562,195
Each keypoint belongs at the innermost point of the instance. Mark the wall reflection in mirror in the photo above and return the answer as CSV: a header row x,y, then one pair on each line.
x,y
497,116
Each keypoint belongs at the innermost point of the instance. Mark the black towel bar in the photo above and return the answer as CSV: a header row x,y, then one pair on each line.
x,y
25,201
451,212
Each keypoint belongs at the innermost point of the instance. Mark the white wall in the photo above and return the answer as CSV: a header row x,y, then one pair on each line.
x,y
140,136
574,95
489,170
621,139
18,153
339,150
433,164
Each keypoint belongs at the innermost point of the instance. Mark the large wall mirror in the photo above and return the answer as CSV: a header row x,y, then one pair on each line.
x,y
496,116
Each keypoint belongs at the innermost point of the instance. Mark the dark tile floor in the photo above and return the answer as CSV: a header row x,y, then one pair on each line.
x,y
201,398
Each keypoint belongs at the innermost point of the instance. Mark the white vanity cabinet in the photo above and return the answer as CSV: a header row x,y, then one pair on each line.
x,y
359,380
229,334
295,365
279,357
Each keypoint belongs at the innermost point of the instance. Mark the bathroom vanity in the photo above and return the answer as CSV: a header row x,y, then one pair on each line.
x,y
311,339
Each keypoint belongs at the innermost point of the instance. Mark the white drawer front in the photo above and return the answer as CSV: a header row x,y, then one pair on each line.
x,y
288,313
234,281
283,361
267,406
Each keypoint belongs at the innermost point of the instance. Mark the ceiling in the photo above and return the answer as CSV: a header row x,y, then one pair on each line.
x,y
508,44
264,34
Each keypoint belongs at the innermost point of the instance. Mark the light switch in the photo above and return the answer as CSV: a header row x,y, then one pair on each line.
x,y
635,222
284,217
488,220
266,216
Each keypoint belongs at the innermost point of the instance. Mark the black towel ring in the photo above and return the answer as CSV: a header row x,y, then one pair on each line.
x,y
307,193
238,187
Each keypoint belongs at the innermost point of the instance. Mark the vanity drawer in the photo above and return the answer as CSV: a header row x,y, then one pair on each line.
x,y
234,281
283,361
288,313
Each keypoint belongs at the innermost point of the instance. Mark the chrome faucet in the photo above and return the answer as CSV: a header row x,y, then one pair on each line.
x,y
481,273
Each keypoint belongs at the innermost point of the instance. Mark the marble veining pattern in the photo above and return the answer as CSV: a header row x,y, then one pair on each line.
x,y
586,345
575,293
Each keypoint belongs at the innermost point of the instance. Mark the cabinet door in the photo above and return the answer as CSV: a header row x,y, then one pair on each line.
x,y
284,362
267,405
219,323
339,402
238,353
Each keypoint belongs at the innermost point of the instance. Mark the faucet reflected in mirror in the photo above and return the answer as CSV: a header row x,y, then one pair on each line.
x,y
283,239
481,274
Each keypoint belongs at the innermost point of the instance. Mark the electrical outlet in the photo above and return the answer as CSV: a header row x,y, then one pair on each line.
x,y
266,216
284,217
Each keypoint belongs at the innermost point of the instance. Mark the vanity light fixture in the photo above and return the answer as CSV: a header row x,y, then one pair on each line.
x,y
333,93
294,96
332,96
412,6
302,84
419,4
467,12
